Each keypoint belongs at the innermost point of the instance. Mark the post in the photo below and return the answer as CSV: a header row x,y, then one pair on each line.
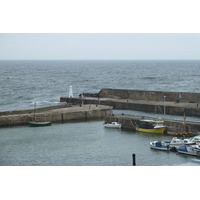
x,y
164,107
184,117
82,99
34,111
133,155
62,117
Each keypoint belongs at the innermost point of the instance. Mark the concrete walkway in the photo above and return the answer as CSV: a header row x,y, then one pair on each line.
x,y
160,103
83,112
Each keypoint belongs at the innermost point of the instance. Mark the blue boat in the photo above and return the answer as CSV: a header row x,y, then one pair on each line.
x,y
193,150
159,145
162,145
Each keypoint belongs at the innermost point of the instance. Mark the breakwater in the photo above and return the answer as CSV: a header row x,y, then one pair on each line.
x,y
60,114
184,97
170,108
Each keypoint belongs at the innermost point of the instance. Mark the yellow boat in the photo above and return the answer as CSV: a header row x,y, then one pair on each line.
x,y
151,126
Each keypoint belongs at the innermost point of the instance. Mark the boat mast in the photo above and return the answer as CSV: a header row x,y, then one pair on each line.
x,y
34,111
184,117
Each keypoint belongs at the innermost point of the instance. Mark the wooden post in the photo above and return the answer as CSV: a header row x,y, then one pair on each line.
x,y
184,123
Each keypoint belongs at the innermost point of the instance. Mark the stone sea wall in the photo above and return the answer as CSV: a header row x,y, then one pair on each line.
x,y
31,111
128,122
184,97
148,106
59,116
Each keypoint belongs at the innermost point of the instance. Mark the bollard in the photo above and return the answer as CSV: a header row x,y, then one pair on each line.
x,y
62,117
133,155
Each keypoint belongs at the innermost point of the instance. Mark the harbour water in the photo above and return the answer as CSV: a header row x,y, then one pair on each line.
x,y
85,143
82,144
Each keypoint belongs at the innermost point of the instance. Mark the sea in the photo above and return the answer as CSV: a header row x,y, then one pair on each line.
x,y
87,143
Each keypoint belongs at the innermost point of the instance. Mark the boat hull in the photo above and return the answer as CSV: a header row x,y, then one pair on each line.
x,y
189,150
154,130
36,124
188,153
158,146
112,126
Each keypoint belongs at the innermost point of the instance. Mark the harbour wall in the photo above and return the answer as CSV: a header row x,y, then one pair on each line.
x,y
184,97
128,122
58,115
30,111
189,109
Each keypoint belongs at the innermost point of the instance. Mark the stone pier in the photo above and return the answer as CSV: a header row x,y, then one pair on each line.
x,y
60,114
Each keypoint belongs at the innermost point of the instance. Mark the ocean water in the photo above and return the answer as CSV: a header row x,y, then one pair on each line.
x,y
25,82
85,143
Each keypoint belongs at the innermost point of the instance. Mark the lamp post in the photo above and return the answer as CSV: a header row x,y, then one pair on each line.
x,y
164,106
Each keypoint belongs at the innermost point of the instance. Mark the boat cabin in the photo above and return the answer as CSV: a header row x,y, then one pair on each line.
x,y
150,124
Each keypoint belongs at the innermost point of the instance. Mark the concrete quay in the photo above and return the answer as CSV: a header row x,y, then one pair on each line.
x,y
64,113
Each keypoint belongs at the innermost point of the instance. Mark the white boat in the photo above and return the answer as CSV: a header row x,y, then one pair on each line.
x,y
160,145
195,139
177,142
170,144
189,149
113,125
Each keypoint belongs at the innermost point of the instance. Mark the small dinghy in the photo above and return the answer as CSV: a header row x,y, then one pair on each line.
x,y
113,125
35,124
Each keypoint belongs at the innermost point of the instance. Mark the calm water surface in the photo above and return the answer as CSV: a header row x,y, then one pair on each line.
x,y
81,144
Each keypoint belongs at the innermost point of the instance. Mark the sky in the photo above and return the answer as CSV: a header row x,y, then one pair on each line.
x,y
75,46
106,29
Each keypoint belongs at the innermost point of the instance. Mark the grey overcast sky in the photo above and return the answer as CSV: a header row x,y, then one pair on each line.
x,y
99,46
106,29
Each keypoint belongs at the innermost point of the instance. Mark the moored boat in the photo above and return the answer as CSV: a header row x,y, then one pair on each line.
x,y
189,150
35,124
160,145
195,139
172,144
151,126
113,125
177,142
